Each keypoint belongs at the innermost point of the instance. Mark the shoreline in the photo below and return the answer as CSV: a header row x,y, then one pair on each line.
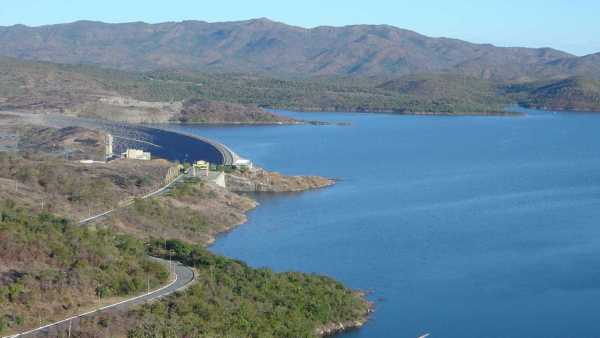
x,y
390,112
294,184
560,109
325,330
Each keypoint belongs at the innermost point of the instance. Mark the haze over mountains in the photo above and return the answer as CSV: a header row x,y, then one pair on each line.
x,y
270,48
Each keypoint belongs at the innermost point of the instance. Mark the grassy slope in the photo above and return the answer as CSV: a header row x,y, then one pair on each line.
x,y
51,268
72,189
194,212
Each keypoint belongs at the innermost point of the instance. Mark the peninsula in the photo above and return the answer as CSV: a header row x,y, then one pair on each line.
x,y
81,266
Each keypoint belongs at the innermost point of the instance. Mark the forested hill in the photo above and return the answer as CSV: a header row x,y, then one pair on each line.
x,y
168,96
573,94
270,48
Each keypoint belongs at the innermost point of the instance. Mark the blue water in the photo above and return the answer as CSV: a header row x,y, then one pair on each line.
x,y
460,226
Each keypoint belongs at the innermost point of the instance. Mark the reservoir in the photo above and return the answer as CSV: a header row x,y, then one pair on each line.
x,y
457,226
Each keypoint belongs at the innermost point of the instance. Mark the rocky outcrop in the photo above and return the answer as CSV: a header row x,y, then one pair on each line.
x,y
337,327
260,180
333,328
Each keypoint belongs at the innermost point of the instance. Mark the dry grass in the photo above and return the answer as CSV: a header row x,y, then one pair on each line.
x,y
194,212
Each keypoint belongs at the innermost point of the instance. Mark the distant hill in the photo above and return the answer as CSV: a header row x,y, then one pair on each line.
x,y
573,94
270,48
448,93
184,96
91,91
586,66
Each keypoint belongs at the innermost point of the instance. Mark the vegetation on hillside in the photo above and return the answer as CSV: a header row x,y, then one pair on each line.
x,y
206,111
162,96
50,268
262,46
573,94
193,211
74,143
448,93
72,189
89,91
231,299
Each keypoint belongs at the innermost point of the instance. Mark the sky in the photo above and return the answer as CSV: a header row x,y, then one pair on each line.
x,y
568,25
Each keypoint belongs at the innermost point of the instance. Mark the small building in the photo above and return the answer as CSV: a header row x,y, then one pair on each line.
x,y
243,163
202,165
108,147
200,168
137,154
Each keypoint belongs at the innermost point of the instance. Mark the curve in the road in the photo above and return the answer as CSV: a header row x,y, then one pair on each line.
x,y
184,276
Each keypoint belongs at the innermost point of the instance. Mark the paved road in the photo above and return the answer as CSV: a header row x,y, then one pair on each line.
x,y
154,193
184,277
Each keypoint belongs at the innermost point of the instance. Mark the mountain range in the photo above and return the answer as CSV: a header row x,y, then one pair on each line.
x,y
265,47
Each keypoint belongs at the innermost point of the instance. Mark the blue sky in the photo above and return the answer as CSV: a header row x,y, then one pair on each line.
x,y
572,25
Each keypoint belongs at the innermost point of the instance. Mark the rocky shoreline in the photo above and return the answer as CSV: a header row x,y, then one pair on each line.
x,y
334,328
200,211
260,180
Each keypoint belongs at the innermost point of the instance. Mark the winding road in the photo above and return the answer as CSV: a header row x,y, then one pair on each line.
x,y
184,276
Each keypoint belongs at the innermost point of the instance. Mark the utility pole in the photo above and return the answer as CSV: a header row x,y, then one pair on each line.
x,y
69,334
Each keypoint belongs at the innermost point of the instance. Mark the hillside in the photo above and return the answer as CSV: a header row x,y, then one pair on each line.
x,y
585,66
448,93
271,48
165,96
573,94
90,91
51,268
216,112
73,142
192,97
